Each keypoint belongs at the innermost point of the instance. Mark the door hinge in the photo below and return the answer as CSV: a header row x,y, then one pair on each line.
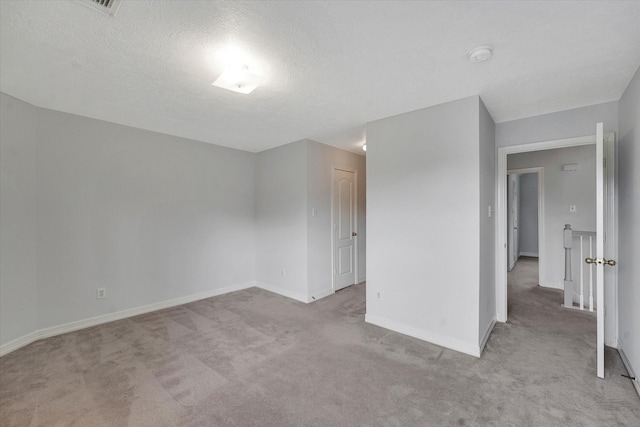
x,y
604,162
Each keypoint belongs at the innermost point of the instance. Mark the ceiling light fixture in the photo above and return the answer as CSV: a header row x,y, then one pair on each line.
x,y
480,54
238,79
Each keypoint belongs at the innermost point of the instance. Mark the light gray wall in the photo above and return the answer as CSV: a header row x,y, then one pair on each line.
x,y
528,224
291,180
423,233
562,189
563,124
281,219
149,216
321,159
487,180
629,225
18,242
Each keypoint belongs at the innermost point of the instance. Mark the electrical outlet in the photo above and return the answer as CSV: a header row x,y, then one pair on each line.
x,y
378,296
101,293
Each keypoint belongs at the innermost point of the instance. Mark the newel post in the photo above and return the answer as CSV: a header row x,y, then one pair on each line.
x,y
568,285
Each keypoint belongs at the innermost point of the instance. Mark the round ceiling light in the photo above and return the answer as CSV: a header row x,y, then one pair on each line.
x,y
479,54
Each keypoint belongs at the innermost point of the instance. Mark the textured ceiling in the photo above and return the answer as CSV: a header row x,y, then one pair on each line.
x,y
330,67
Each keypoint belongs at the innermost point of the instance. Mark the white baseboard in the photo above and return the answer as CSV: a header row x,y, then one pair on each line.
x,y
450,343
627,364
18,342
118,315
487,333
551,285
284,292
531,254
362,279
321,294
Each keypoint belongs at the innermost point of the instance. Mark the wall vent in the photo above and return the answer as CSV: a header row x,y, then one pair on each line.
x,y
110,7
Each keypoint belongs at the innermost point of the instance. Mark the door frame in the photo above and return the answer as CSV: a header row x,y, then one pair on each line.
x,y
611,217
542,256
355,223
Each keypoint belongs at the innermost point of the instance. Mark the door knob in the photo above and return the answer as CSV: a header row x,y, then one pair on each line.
x,y
608,262
354,234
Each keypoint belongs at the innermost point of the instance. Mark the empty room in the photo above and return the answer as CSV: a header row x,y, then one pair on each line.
x,y
319,213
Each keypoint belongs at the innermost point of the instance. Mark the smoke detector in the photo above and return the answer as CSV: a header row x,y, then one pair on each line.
x,y
108,7
480,54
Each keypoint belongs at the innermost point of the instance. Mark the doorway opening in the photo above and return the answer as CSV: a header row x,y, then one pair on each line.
x,y
551,270
525,216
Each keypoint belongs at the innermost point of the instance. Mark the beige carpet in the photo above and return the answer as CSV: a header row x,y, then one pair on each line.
x,y
252,358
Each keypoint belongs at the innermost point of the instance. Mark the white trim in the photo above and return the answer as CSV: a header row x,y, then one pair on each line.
x,y
283,292
611,224
501,220
442,341
552,285
355,223
362,279
542,257
118,315
18,342
530,254
486,335
322,294
627,364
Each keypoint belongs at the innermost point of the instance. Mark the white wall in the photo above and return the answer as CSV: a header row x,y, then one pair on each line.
x,y
281,220
423,194
291,180
149,216
563,124
629,226
18,242
487,158
562,189
528,219
321,159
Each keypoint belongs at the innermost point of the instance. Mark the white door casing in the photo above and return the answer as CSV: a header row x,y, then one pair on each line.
x,y
514,191
344,228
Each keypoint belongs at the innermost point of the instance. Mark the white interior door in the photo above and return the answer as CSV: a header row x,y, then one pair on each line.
x,y
599,260
344,231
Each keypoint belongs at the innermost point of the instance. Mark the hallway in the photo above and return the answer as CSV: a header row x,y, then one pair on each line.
x,y
563,338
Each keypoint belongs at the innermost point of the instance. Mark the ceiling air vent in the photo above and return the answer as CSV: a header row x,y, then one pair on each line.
x,y
110,7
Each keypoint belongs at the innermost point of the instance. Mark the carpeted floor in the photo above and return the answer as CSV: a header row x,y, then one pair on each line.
x,y
252,358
